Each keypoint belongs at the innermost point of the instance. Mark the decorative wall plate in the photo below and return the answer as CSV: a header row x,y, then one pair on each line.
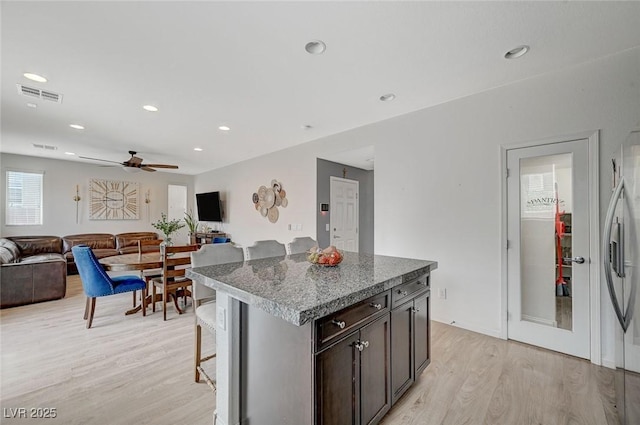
x,y
266,200
273,214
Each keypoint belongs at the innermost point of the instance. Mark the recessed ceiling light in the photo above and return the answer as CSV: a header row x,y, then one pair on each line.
x,y
387,97
35,77
197,149
150,108
69,153
516,52
224,128
76,126
32,105
315,47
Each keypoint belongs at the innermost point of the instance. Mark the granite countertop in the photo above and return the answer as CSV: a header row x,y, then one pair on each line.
x,y
297,291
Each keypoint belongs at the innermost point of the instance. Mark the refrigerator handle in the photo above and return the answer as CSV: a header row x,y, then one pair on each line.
x,y
606,253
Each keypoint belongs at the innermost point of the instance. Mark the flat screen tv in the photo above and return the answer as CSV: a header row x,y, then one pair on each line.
x,y
209,206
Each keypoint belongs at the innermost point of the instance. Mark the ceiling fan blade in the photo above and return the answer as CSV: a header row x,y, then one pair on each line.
x,y
146,168
98,159
174,167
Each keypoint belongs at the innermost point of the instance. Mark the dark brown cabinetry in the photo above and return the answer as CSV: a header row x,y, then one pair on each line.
x,y
410,348
353,377
202,238
345,368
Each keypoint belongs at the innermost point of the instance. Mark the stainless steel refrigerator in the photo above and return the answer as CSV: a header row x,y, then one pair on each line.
x,y
621,260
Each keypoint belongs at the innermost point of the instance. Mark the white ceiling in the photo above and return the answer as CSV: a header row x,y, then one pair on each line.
x,y
243,64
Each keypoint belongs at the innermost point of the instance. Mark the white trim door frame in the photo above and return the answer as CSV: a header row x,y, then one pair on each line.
x,y
594,238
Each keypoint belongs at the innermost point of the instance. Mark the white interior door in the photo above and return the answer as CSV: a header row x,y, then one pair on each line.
x,y
343,215
548,256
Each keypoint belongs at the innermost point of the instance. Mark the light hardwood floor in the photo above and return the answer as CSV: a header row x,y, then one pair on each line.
x,y
138,370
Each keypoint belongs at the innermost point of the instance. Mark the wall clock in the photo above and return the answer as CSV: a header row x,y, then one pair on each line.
x,y
113,200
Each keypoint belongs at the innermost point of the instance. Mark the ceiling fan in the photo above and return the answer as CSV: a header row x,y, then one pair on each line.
x,y
135,162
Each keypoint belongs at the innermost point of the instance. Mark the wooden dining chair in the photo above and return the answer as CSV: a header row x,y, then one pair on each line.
x,y
173,282
148,245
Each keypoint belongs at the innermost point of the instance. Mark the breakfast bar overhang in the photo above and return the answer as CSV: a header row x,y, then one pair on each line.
x,y
300,343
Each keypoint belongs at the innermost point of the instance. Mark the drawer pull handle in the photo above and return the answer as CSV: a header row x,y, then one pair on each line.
x,y
403,293
361,345
339,323
376,306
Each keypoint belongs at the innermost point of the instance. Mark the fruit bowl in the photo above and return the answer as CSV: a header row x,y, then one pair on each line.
x,y
328,257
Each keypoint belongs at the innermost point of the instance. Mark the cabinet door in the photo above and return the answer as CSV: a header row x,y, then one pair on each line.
x,y
401,349
338,383
375,397
422,333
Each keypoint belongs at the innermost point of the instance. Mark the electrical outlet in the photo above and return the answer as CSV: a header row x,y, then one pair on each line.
x,y
442,293
222,318
327,227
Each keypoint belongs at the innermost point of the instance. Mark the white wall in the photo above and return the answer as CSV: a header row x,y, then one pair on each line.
x,y
437,191
60,180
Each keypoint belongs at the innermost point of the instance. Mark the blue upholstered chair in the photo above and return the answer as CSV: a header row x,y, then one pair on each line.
x,y
97,283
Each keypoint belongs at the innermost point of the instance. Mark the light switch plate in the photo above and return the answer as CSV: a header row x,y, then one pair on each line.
x,y
222,318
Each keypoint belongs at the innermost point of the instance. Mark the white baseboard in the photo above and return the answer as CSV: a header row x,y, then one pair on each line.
x,y
469,326
610,363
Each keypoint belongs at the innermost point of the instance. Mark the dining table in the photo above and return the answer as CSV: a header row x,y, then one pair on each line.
x,y
137,262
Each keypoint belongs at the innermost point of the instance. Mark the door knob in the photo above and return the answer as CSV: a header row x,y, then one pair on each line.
x,y
579,260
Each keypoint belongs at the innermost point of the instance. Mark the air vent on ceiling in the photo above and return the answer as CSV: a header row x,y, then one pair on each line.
x,y
40,94
45,147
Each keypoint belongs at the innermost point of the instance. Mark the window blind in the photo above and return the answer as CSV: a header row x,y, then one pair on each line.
x,y
23,198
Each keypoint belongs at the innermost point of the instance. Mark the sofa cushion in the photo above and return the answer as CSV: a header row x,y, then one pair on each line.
x,y
32,245
99,253
43,258
9,252
128,242
92,240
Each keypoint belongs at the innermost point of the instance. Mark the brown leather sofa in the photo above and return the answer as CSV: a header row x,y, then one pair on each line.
x,y
103,245
32,269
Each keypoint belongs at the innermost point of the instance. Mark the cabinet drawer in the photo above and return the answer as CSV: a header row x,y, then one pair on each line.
x,y
329,328
404,292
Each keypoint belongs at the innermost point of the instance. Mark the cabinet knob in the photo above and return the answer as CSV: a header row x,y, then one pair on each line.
x,y
340,324
403,293
415,310
361,345
376,306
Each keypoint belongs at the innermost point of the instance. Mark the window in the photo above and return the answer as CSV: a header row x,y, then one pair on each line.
x,y
23,198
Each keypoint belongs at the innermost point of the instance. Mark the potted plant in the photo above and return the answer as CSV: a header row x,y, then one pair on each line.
x,y
167,227
192,223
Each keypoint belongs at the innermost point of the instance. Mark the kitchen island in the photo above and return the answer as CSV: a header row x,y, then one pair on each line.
x,y
299,343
